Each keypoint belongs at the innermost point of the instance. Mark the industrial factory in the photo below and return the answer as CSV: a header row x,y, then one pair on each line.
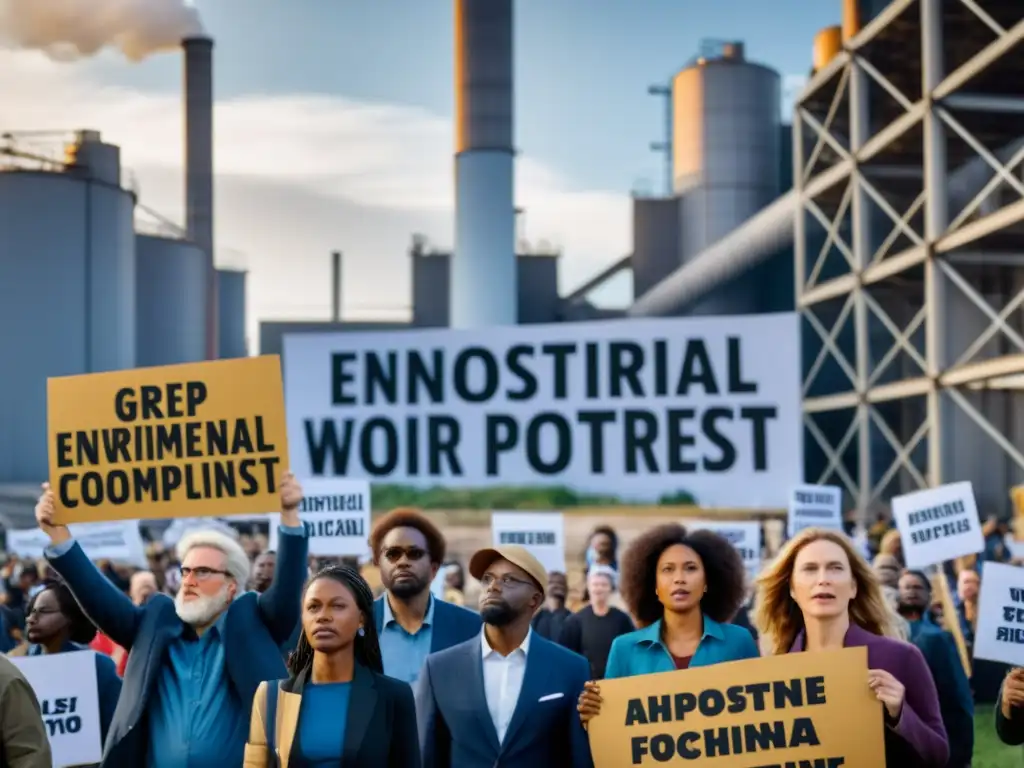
x,y
887,210
118,293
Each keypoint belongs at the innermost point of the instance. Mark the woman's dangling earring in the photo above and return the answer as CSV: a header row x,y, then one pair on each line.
x,y
361,632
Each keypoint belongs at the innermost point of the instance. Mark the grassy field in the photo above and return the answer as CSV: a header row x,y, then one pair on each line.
x,y
989,752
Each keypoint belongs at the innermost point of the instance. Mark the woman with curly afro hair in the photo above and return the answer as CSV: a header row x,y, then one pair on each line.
x,y
682,588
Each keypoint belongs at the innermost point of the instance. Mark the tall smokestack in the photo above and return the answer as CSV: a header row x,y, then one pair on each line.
x,y
199,168
484,285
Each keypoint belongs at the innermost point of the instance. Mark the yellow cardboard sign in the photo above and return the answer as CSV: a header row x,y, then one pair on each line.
x,y
192,440
792,710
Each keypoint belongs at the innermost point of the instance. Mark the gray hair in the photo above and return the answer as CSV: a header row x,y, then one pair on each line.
x,y
604,570
237,565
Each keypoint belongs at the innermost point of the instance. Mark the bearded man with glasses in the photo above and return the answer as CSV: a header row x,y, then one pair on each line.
x,y
411,622
194,662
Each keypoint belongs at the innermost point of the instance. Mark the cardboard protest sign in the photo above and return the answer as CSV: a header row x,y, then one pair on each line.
x,y
1000,632
543,533
336,514
119,540
744,535
815,506
65,684
938,524
795,709
175,441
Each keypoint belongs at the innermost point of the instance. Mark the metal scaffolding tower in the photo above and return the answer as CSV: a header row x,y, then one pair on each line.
x,y
908,150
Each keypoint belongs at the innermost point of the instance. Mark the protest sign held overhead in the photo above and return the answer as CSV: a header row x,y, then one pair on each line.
x,y
119,540
744,535
176,441
786,710
542,533
815,506
637,408
1000,632
65,684
336,514
938,524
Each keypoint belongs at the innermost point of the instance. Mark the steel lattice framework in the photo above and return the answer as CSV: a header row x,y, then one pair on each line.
x,y
908,150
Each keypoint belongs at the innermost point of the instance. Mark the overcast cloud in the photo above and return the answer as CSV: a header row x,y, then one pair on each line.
x,y
300,175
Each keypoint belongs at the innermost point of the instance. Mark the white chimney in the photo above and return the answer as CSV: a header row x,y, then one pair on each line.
x,y
483,289
199,168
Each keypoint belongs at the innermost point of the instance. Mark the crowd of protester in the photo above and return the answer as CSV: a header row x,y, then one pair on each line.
x,y
225,653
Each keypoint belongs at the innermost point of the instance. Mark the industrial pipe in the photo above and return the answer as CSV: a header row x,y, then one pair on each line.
x,y
199,168
484,287
768,232
764,233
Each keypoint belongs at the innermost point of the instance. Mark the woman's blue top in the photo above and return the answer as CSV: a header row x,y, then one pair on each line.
x,y
322,723
642,652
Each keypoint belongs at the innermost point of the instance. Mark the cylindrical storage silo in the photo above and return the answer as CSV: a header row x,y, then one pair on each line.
x,y
725,146
827,45
857,14
171,282
231,308
67,299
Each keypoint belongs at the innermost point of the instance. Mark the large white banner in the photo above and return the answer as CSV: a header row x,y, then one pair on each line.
x,y
632,408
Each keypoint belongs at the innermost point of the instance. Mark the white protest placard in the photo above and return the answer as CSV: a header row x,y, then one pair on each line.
x,y
938,524
744,535
1000,632
117,540
65,684
542,533
336,514
815,506
631,408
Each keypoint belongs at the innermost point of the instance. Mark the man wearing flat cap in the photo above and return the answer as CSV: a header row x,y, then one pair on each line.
x,y
507,696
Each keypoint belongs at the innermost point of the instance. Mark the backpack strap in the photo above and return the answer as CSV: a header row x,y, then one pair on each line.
x,y
270,720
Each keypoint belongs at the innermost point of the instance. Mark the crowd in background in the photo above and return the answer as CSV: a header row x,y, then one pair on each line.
x,y
614,598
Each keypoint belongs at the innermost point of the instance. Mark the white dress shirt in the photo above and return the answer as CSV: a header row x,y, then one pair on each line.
x,y
503,680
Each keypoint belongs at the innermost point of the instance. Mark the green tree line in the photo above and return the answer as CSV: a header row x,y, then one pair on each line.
x,y
388,496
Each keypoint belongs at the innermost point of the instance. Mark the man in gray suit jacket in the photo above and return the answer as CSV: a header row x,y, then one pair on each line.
x,y
513,701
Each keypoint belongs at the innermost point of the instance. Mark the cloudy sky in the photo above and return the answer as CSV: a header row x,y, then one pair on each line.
x,y
333,126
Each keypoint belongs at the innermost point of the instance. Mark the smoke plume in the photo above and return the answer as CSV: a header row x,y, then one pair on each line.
x,y
71,29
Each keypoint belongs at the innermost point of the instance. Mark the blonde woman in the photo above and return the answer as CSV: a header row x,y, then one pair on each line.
x,y
821,595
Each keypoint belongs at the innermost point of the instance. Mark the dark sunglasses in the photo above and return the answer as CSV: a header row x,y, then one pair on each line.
x,y
413,554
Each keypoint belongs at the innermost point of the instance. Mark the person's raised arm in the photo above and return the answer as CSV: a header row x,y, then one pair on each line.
x,y
109,608
280,605
1010,709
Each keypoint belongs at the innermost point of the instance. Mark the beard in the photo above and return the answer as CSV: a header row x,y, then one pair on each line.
x,y
498,614
407,588
202,610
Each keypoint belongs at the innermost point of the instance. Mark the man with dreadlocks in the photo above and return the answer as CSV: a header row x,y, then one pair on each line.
x,y
336,707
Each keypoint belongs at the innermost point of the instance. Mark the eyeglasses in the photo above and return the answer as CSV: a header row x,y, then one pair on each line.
x,y
506,581
201,574
394,554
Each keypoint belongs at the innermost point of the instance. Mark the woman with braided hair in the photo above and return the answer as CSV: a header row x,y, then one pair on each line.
x,y
336,708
